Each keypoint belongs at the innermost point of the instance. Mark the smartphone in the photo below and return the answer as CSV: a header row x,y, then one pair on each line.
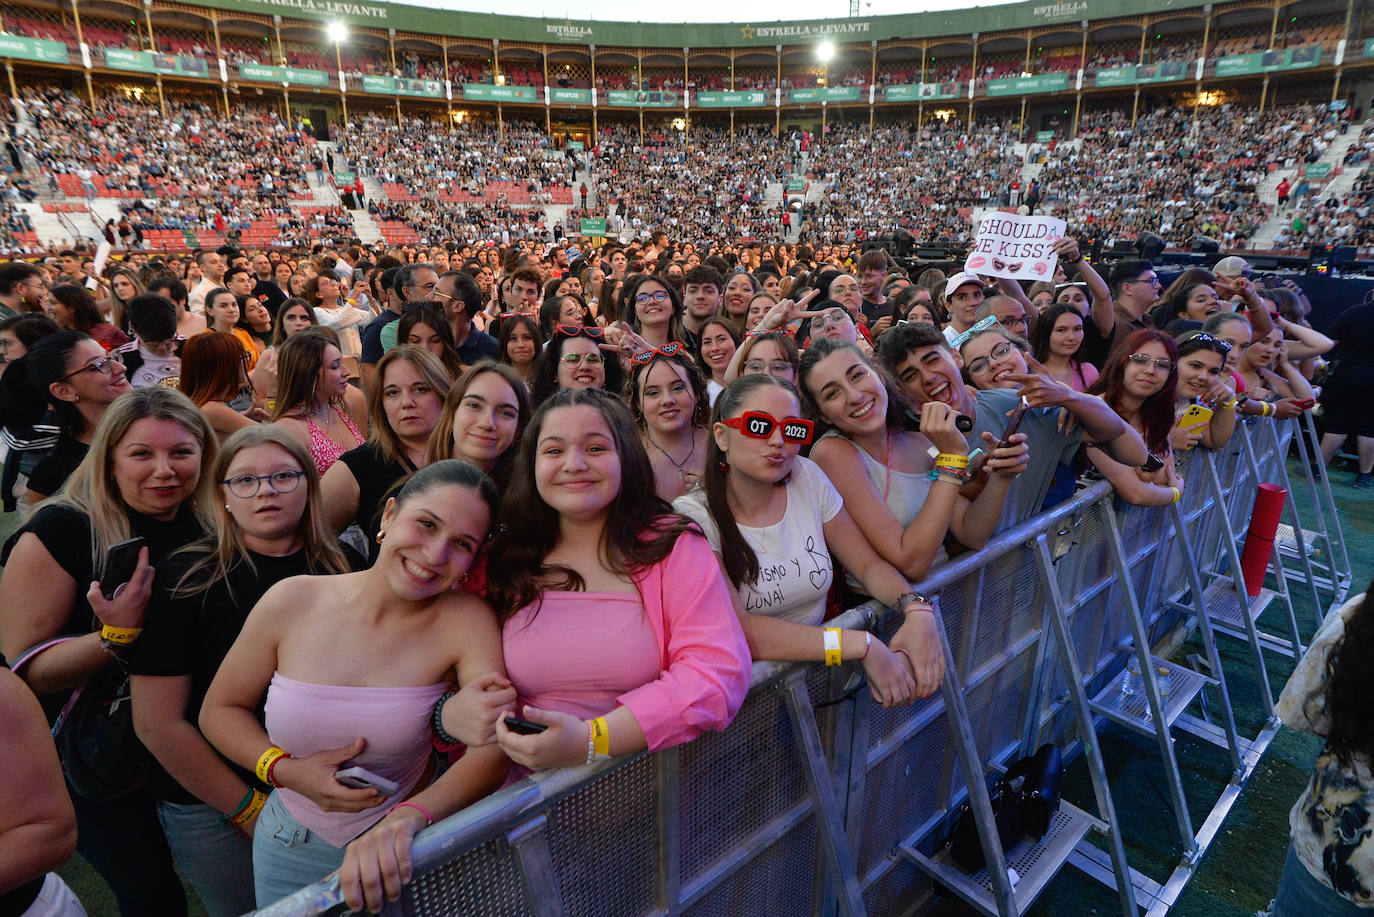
x,y
524,727
1195,416
360,778
1305,404
1152,463
120,562
1014,423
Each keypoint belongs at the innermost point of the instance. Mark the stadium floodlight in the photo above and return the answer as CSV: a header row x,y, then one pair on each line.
x,y
825,51
336,31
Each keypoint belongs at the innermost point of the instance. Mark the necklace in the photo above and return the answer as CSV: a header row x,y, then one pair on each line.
x,y
681,471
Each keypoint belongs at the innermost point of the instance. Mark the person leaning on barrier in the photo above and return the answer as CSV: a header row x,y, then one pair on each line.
x,y
772,517
1201,367
347,670
1139,382
887,476
929,370
617,628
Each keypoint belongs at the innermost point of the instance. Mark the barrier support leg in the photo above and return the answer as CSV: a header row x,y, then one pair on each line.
x,y
1342,573
1092,752
1141,639
829,820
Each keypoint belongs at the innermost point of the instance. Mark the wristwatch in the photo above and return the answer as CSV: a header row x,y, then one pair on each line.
x,y
907,598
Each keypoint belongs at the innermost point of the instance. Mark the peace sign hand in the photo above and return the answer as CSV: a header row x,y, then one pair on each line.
x,y
1039,387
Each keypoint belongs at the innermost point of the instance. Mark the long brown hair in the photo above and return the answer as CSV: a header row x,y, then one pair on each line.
x,y
642,533
299,361
741,563
1157,412
380,436
441,439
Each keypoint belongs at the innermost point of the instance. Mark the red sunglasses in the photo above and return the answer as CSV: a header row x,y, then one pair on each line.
x,y
760,425
645,357
572,331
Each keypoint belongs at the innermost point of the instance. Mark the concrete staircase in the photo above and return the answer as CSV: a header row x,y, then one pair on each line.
x,y
1339,183
365,228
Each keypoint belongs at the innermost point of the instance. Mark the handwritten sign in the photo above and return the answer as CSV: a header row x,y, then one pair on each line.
x,y
1015,246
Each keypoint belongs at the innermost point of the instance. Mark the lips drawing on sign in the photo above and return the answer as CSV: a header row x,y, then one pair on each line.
x,y
975,262
1041,267
999,264
1015,266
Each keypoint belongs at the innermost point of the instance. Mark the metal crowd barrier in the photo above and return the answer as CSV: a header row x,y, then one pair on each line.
x,y
817,801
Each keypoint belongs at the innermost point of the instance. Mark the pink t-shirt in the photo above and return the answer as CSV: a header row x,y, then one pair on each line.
x,y
577,652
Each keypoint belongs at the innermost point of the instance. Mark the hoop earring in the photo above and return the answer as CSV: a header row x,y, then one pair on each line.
x,y
380,536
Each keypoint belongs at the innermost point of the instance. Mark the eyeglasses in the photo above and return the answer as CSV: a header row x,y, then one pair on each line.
x,y
247,486
104,365
982,364
759,425
1013,322
645,357
844,289
1153,279
577,359
1144,359
656,296
832,317
571,331
771,367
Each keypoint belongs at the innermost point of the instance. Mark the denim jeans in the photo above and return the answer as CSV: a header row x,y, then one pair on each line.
x,y
215,858
287,855
1302,894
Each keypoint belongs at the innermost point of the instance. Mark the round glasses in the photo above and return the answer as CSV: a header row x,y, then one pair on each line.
x,y
246,486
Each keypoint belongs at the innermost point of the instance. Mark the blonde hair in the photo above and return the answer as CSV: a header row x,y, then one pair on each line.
x,y
91,489
380,436
223,548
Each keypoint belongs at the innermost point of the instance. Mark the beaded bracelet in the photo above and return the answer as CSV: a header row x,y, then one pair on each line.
x,y
438,721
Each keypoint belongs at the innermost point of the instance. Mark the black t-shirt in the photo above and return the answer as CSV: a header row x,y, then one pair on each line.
x,y
51,473
375,479
874,311
271,296
191,634
66,534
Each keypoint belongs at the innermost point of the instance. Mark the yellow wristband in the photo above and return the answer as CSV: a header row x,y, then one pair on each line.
x,y
601,736
951,460
250,811
265,763
121,635
1178,495
832,646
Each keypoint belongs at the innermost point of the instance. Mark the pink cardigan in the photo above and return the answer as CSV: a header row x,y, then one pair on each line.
x,y
706,662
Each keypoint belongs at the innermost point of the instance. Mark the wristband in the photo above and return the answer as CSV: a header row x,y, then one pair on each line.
x,y
269,758
868,645
1178,495
1229,404
1266,409
951,460
832,646
248,813
600,736
429,819
120,635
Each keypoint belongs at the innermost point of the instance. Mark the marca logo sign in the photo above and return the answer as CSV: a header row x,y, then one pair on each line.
x,y
332,8
806,30
1072,9
569,32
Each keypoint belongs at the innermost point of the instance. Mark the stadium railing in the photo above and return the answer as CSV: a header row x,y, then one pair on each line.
x,y
817,801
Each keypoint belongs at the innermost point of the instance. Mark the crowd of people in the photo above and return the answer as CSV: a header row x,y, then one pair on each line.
x,y
249,476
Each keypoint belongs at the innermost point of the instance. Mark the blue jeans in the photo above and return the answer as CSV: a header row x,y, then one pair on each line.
x,y
287,855
1302,894
216,859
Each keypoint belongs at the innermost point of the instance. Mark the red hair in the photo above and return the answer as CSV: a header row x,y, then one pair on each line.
x,y
1157,412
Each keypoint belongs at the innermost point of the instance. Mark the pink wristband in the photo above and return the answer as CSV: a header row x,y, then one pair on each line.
x,y
429,819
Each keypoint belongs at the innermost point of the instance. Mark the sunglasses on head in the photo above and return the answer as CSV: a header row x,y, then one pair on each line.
x,y
760,425
645,357
572,331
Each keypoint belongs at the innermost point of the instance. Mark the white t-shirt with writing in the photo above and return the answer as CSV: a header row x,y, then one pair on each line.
x,y
794,564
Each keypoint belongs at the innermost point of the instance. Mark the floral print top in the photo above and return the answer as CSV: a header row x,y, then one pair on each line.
x,y
1332,831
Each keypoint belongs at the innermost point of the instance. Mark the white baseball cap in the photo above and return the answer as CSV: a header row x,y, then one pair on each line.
x,y
963,278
